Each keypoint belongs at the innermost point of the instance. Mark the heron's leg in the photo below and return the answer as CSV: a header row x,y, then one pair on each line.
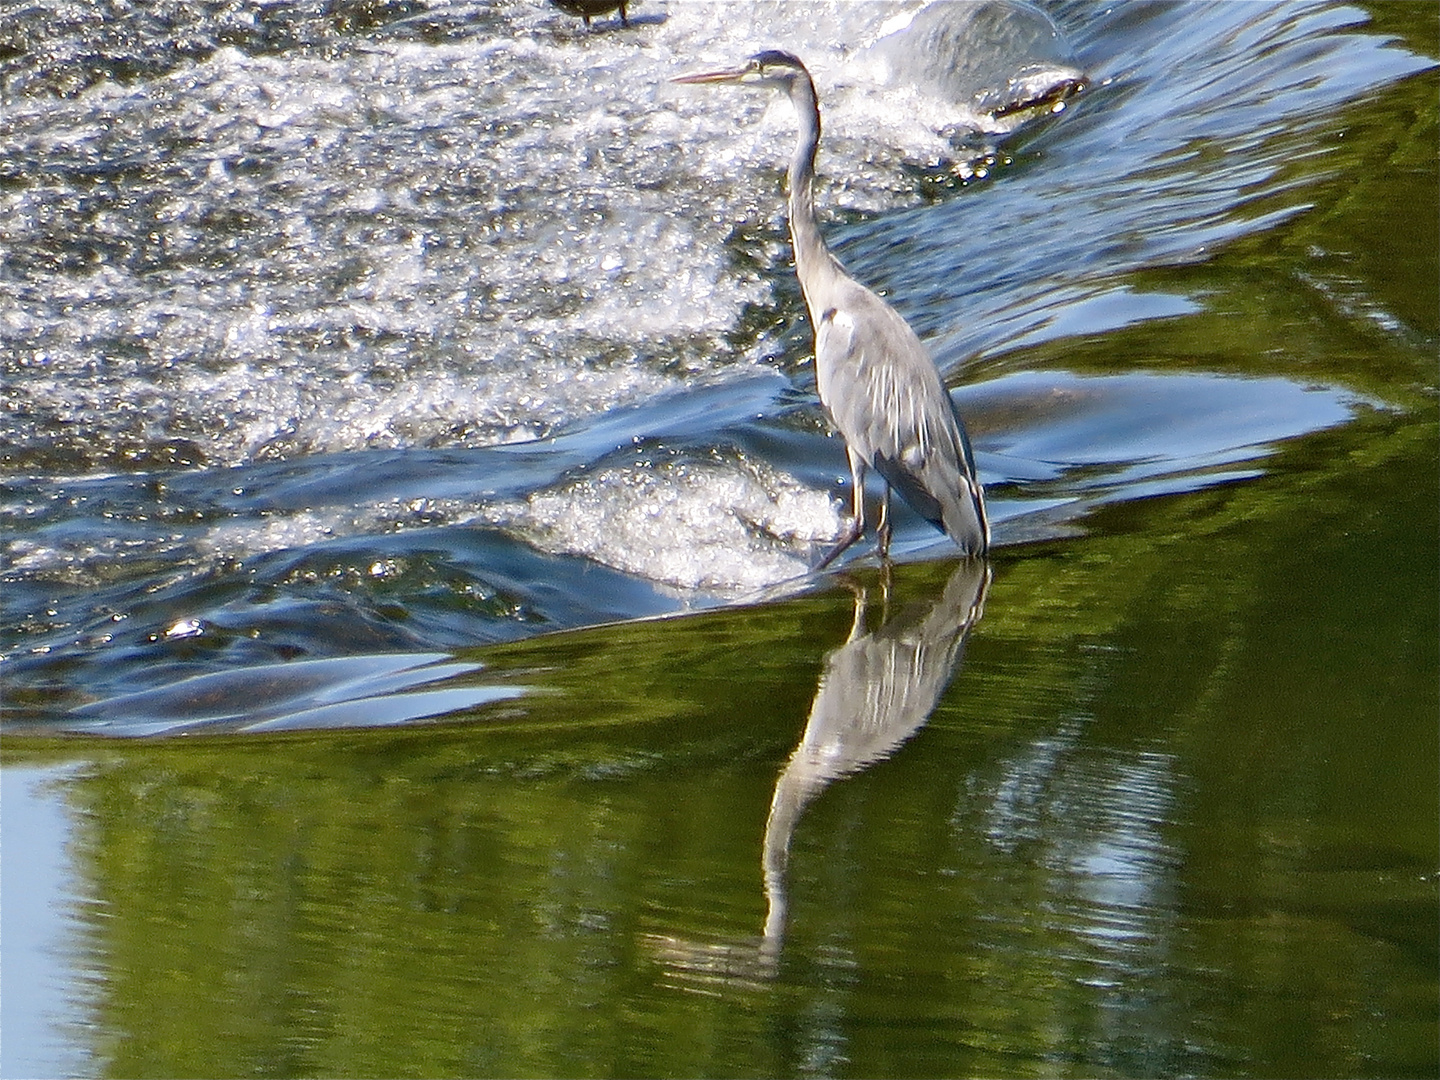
x,y
862,600
856,527
882,533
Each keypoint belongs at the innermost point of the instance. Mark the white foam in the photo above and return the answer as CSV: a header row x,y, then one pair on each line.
x,y
245,538
728,525
465,243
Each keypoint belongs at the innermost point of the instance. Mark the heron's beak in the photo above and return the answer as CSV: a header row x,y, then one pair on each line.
x,y
710,77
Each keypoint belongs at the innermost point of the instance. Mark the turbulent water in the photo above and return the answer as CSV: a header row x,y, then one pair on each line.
x,y
337,329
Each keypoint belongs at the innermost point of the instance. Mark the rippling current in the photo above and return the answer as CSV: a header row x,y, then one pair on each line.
x,y
341,329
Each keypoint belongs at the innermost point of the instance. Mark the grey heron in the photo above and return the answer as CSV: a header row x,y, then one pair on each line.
x,y
588,8
876,380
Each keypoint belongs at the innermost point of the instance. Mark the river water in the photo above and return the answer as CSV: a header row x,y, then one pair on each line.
x,y
408,404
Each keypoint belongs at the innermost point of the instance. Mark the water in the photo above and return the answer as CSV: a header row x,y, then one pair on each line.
x,y
377,366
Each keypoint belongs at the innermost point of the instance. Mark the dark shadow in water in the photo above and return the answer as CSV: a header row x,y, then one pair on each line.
x,y
876,691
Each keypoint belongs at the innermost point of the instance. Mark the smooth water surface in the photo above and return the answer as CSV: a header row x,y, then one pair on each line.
x,y
411,469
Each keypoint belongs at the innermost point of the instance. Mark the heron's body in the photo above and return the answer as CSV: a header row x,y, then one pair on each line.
x,y
587,9
875,379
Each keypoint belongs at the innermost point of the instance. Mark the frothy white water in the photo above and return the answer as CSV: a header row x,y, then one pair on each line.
x,y
727,525
410,244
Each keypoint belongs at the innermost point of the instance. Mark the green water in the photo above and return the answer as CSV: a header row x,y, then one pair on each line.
x,y
1176,812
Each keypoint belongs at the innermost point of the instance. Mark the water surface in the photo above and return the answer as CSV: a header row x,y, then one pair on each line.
x,y
411,471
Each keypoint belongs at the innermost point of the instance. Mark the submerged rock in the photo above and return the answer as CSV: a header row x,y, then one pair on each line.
x,y
1003,60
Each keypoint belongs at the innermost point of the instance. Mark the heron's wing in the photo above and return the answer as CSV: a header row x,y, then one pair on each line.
x,y
884,394
933,469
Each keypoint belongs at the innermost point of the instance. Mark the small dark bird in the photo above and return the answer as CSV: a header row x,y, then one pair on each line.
x,y
875,378
588,8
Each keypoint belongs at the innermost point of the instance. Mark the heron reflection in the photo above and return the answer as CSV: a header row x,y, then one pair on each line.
x,y
877,690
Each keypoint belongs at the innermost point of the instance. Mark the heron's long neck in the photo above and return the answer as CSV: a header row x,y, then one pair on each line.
x,y
813,261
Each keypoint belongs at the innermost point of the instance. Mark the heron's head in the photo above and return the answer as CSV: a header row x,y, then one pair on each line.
x,y
772,68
